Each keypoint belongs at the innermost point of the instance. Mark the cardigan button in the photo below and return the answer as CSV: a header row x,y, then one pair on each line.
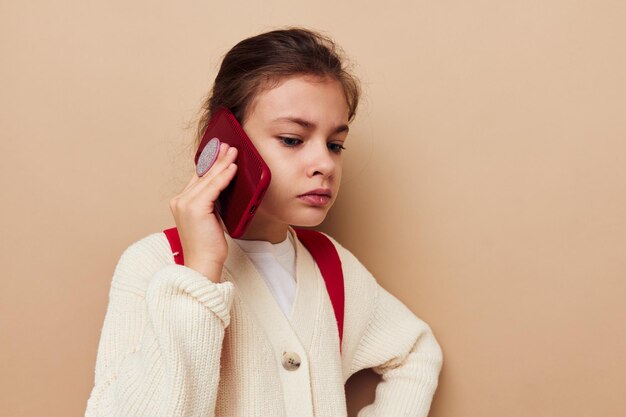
x,y
291,361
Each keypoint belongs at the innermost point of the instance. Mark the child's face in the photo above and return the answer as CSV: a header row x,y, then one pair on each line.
x,y
298,128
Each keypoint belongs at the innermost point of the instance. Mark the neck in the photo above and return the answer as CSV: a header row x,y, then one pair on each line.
x,y
270,232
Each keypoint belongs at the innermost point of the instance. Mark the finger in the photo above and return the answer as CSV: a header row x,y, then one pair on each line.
x,y
203,165
205,194
227,156
208,156
195,178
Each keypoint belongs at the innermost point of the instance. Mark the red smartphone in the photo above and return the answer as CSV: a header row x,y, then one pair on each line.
x,y
238,202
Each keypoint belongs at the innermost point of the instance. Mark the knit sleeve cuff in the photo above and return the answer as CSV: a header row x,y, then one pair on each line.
x,y
179,280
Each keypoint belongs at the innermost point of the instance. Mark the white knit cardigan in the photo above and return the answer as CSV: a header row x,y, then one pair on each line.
x,y
176,344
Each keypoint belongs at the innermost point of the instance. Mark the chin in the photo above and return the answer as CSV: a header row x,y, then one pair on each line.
x,y
306,224
309,221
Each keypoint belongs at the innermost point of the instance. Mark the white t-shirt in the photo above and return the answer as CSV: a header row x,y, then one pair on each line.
x,y
276,264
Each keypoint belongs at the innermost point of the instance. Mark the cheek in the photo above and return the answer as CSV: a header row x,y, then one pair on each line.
x,y
282,182
282,167
338,171
272,155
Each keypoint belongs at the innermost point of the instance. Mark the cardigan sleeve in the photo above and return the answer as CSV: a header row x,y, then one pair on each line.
x,y
390,340
402,348
160,347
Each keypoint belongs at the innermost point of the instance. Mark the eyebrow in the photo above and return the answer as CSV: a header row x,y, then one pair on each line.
x,y
309,125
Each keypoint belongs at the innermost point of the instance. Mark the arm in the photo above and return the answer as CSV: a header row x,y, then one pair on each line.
x,y
401,348
160,348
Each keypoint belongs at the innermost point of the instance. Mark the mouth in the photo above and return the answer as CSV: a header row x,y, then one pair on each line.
x,y
325,192
319,197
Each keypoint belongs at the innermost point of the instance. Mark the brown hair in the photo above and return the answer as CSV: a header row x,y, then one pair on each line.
x,y
260,62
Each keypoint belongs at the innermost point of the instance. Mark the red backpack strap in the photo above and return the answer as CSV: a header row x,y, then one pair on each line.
x,y
177,247
324,254
327,259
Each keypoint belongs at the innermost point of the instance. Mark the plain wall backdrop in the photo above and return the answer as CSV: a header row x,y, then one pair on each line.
x,y
484,183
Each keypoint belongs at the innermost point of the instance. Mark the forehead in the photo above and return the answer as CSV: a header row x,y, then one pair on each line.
x,y
321,100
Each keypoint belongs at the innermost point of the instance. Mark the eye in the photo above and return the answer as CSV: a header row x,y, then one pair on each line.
x,y
336,147
290,142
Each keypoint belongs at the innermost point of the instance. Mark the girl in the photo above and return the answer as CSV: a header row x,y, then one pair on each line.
x,y
246,328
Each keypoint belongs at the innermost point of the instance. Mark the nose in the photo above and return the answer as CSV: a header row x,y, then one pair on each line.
x,y
321,161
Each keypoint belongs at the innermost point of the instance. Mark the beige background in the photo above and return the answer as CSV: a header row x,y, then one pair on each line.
x,y
485,182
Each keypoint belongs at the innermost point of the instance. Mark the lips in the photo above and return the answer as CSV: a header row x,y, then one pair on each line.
x,y
319,192
318,197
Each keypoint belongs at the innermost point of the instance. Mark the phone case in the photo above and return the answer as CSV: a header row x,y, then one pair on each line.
x,y
238,202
